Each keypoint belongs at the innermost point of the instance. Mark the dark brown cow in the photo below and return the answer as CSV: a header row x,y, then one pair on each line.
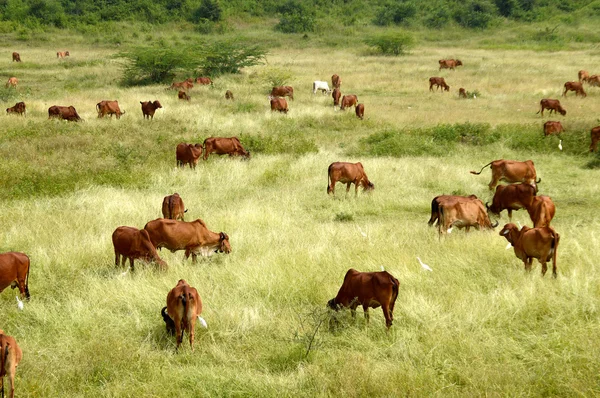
x,y
132,243
336,96
12,82
348,101
574,86
541,211
595,136
10,356
63,112
511,171
530,243
182,95
336,81
109,108
16,57
283,91
184,85
149,108
583,76
511,197
278,104
173,207
188,154
553,128
462,93
463,214
184,306
18,108
445,200
594,80
347,173
193,237
449,63
369,289
14,271
553,105
228,95
438,82
360,111
224,146
204,81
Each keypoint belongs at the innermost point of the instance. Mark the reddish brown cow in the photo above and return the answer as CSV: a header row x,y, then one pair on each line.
x,y
184,306
10,356
173,207
109,108
14,271
511,197
228,95
360,111
16,57
552,105
438,82
336,81
462,93
12,82
449,63
224,146
18,108
594,80
182,95
574,86
63,112
188,154
278,104
132,243
336,96
347,173
348,101
184,85
530,243
583,76
553,128
541,211
463,214
511,171
149,108
203,81
595,136
445,200
369,289
62,54
283,91
193,237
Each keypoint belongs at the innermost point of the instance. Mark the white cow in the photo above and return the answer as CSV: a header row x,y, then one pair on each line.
x,y
319,85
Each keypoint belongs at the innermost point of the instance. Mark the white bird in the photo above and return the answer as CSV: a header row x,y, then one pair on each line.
x,y
425,266
19,303
361,232
383,269
508,246
474,96
519,224
560,145
124,273
202,322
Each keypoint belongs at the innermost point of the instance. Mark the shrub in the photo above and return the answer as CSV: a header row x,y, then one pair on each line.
x,y
228,56
394,43
209,10
289,143
148,65
296,18
437,18
476,14
276,76
396,13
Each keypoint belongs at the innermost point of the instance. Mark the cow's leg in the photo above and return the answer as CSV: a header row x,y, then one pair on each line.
x,y
123,261
366,311
117,258
387,313
178,332
356,185
191,330
509,211
544,267
131,264
528,261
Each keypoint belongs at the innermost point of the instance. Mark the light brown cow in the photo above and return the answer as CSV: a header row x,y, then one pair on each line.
x,y
228,95
348,101
360,111
109,108
347,173
369,289
149,108
182,95
553,128
449,63
14,271
336,81
193,237
12,82
438,82
18,108
224,146
595,136
552,105
336,97
173,207
583,76
462,93
278,104
283,91
574,86
16,57
184,85
541,211
188,154
204,81
132,243
63,112
511,171
463,214
594,80
62,54
530,243
511,197
184,306
10,356
445,200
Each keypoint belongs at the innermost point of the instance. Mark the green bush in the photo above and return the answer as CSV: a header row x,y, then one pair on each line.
x,y
438,17
209,10
296,18
476,14
393,43
395,13
229,56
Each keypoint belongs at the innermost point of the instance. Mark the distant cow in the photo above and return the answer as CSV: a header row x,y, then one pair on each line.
x,y
463,214
369,289
193,237
322,86
583,76
347,173
132,243
224,146
14,271
462,93
511,197
360,111
63,112
109,108
438,82
449,63
594,80
182,95
228,95
574,86
445,200
183,308
62,54
149,108
530,243
336,81
511,171
336,97
203,81
541,211
173,207
595,136
553,128
18,108
348,101
16,57
10,356
188,154
278,104
552,105
283,91
12,82
184,85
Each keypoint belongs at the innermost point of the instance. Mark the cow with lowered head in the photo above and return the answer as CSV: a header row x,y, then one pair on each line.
x,y
14,272
224,146
184,306
188,154
348,173
63,112
132,244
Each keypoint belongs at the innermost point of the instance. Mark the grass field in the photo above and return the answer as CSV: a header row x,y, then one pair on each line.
x,y
477,325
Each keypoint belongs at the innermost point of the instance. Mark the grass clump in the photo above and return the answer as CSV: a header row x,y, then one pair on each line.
x,y
285,143
392,43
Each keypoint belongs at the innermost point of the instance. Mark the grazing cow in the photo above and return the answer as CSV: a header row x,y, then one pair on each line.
x,y
553,127
360,111
278,104
348,101
228,95
193,237
530,243
449,63
224,146
319,85
14,271
574,86
63,112
553,105
347,173
10,356
445,200
583,76
438,82
463,214
204,81
511,197
182,95
541,211
183,308
173,207
188,154
149,108
369,289
336,97
18,108
12,82
283,91
336,81
109,108
184,85
132,243
594,80
595,135
462,93
511,171
62,54
16,57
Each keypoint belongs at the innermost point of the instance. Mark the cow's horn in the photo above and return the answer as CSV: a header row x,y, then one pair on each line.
x,y
538,181
495,225
221,236
487,206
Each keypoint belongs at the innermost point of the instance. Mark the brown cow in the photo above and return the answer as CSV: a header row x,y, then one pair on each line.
x,y
462,93
347,173
438,82
283,91
188,154
10,356
173,207
109,108
14,271
553,105
132,243
511,171
583,76
511,197
530,243
360,111
448,200
228,95
184,85
182,95
63,112
348,101
574,86
16,57
203,81
12,82
336,97
595,135
278,104
62,54
193,237
369,289
449,63
541,211
149,108
336,81
553,127
594,80
18,108
463,214
224,146
184,306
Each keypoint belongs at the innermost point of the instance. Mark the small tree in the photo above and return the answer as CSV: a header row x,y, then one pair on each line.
x,y
296,18
209,10
395,43
396,13
230,57
475,14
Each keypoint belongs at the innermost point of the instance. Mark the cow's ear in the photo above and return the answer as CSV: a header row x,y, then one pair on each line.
x,y
505,232
221,235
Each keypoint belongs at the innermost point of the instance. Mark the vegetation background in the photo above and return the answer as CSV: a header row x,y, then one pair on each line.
x,y
476,325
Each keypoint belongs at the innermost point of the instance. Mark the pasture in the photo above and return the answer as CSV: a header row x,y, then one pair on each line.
x,y
476,325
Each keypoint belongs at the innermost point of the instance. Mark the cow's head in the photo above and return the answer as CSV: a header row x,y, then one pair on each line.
x,y
447,87
562,111
67,54
224,245
508,230
157,104
367,185
168,321
333,305
458,62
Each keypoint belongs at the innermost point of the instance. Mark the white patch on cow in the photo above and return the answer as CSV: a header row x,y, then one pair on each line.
x,y
202,322
509,245
19,303
505,232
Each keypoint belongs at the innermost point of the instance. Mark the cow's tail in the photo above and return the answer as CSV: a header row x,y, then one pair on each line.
x,y
171,215
395,287
328,177
184,317
474,172
27,280
440,220
435,209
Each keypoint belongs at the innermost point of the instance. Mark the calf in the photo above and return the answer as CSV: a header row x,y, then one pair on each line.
x,y
360,111
583,76
228,95
188,154
63,112
283,91
348,173
348,101
10,356
541,210
574,86
16,57
530,243
320,86
449,63
462,93
173,207
132,243
336,97
182,95
553,128
18,108
109,108
511,197
278,104
224,146
149,108
595,136
184,305
12,82
552,105
14,271
438,82
336,81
